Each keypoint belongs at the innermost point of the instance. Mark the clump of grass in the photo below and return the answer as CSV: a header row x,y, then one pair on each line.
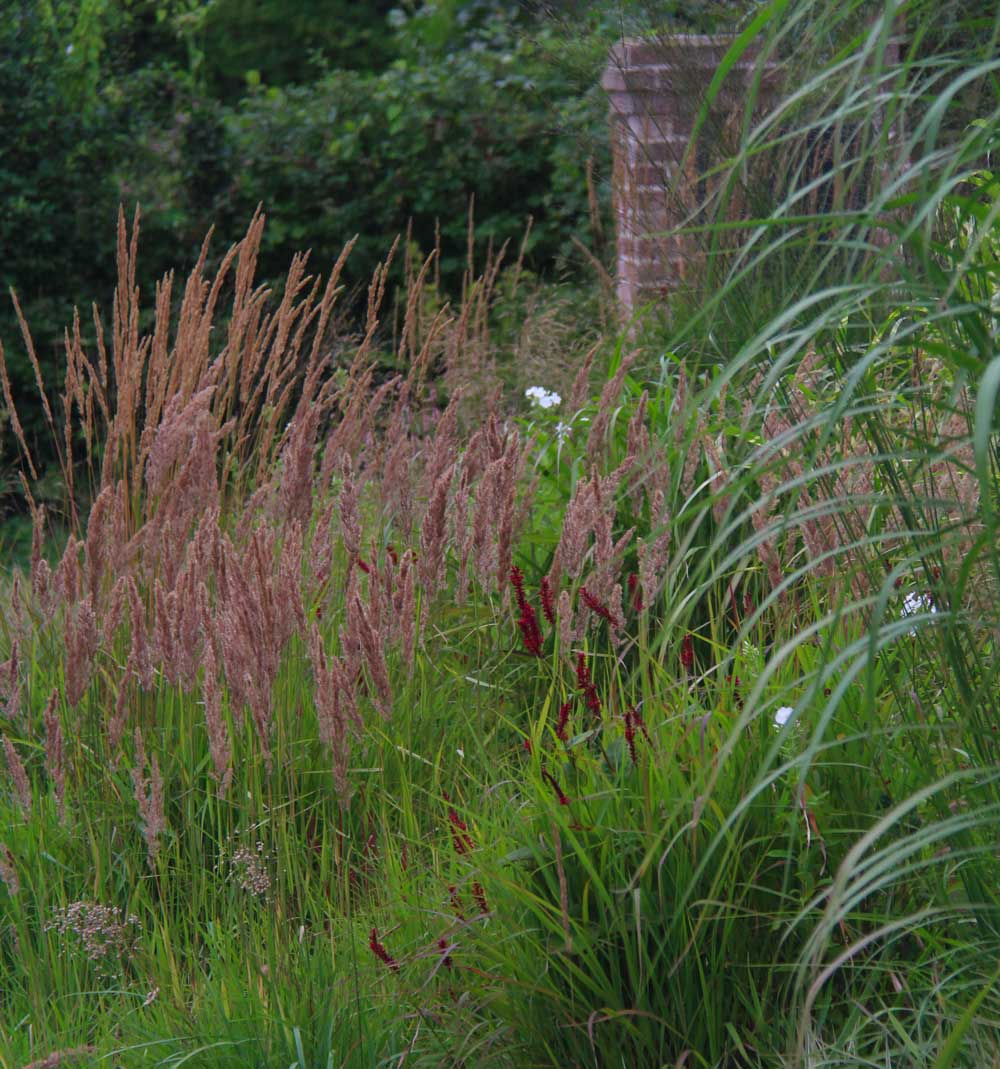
x,y
654,726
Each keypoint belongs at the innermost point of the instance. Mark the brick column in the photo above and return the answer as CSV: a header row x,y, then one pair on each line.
x,y
655,89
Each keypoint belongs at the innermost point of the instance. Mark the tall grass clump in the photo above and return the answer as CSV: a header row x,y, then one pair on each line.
x,y
384,719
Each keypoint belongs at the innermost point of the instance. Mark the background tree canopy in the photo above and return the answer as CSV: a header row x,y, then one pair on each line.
x,y
341,118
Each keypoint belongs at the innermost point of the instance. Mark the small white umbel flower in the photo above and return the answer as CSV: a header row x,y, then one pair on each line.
x,y
783,715
914,603
542,398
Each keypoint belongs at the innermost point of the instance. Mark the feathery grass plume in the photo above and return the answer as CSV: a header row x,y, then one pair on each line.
x,y
374,656
442,451
95,548
350,521
18,777
149,798
288,582
295,487
82,640
321,554
396,482
181,479
405,609
350,640
140,661
10,682
15,423
67,579
718,477
461,532
350,431
165,632
41,573
114,611
565,616
510,515
219,744
252,629
580,390
481,545
59,1058
639,451
8,871
381,582
590,512
596,444
328,693
55,766
433,538
653,551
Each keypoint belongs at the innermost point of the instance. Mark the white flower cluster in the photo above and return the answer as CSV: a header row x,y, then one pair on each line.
x,y
542,398
915,603
783,715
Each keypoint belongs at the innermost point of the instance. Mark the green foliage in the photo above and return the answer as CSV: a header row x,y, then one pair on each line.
x,y
57,188
790,859
277,43
367,154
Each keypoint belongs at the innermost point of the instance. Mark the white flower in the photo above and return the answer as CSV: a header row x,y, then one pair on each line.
x,y
914,603
542,398
562,431
782,716
69,50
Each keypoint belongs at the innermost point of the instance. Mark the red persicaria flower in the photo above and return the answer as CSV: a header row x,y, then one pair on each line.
x,y
455,900
635,592
582,671
480,897
630,735
638,722
364,566
548,600
598,607
531,634
559,792
585,683
517,582
378,949
687,653
563,720
460,837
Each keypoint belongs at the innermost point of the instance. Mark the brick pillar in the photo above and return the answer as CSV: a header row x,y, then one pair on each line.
x,y
655,89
